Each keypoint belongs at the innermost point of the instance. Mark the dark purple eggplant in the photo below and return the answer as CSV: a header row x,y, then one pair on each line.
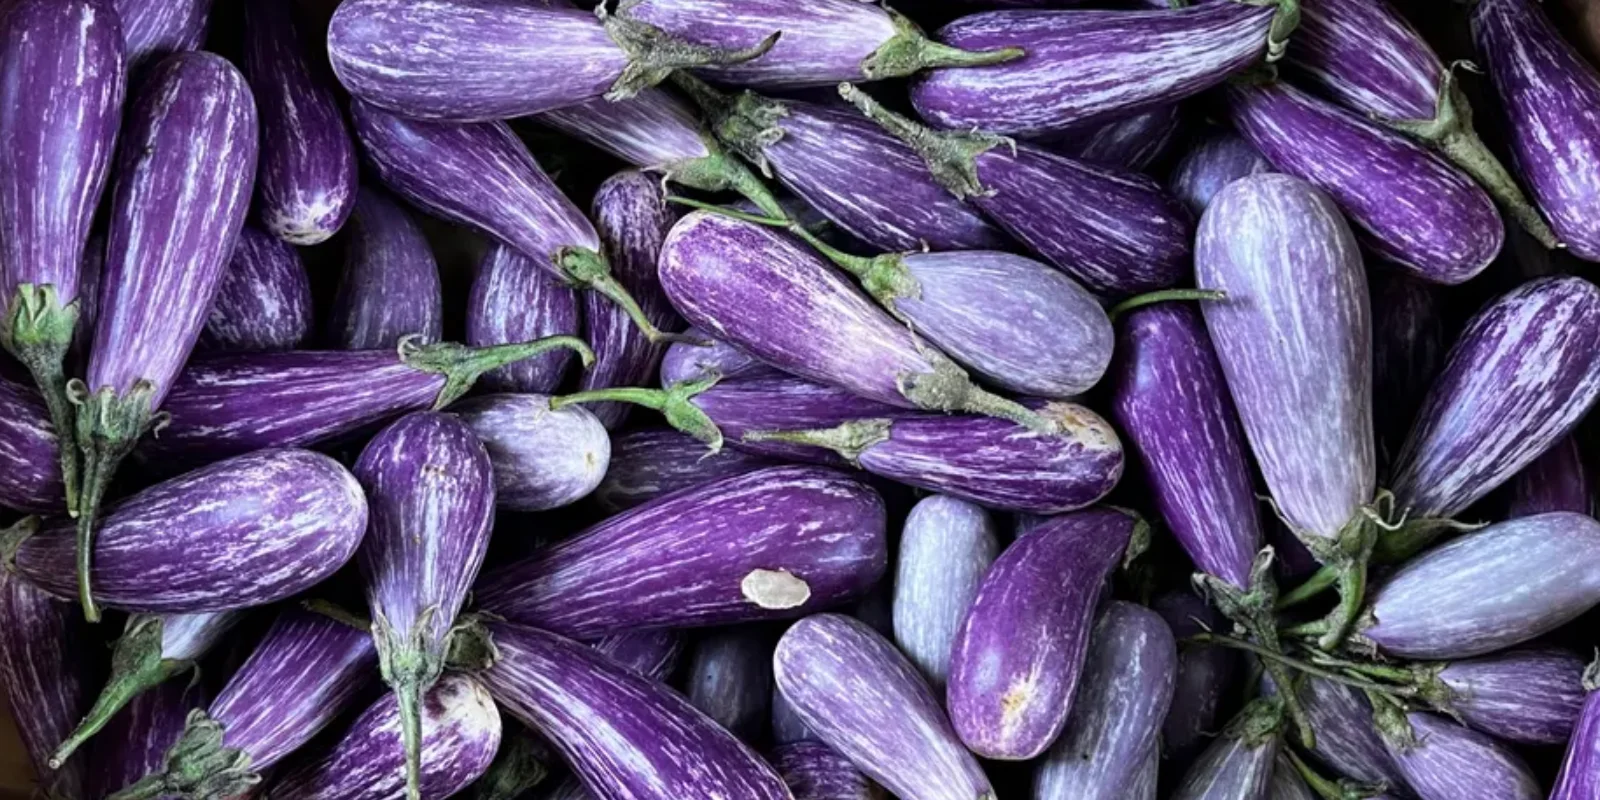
x,y
1580,770
1408,349
28,451
1530,696
1238,764
778,402
263,301
685,361
153,29
1203,678
542,458
136,740
765,545
729,677
787,727
48,670
1138,142
815,771
512,300
1348,741
1555,481
651,462
653,654
945,549
389,288
1445,761
1212,163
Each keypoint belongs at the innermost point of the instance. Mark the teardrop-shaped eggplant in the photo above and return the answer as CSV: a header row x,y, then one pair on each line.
x,y
263,301
1530,696
389,288
1215,161
945,549
1446,761
542,458
514,301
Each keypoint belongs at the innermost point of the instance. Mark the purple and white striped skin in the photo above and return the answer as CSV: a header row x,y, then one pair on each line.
x,y
653,654
1203,676
729,677
153,29
945,549
389,288
1134,143
685,361
1287,783
815,771
1117,714
244,532
784,403
1348,742
136,740
1019,656
1555,481
306,186
1441,604
1218,159
772,544
542,459
49,666
1449,762
1580,769
863,698
1086,67
1521,376
1171,400
430,485
1530,696
624,735
651,462
263,301
1549,94
28,451
512,300
461,732
1237,765
1424,214
1408,348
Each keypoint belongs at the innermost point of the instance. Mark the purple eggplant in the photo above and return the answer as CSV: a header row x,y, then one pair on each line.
x,y
1287,784
1087,67
685,361
787,727
815,771
1137,143
28,447
653,654
48,670
1580,770
1555,481
307,184
1212,163
729,677
1238,764
1018,658
137,739
775,543
651,462
1445,761
946,548
1117,714
1348,741
1202,678
1407,351
153,29
1424,214
780,402
542,459
263,301
865,700
513,301
430,485
1528,696
389,288
460,734
244,532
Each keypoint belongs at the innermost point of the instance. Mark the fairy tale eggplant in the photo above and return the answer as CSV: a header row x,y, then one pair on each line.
x,y
48,670
729,677
1203,677
815,771
154,29
651,653
778,402
1239,763
389,288
263,301
707,356
651,462
1446,761
946,547
1216,160
1580,769
512,300
1555,481
28,448
1139,142
542,458
1408,349
1530,696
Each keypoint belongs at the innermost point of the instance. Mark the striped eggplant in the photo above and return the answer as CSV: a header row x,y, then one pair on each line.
x,y
512,300
787,727
1543,84
306,187
1286,781
48,670
27,451
1019,656
263,301
59,112
307,672
1408,348
708,356
460,734
1218,159
1424,214
1443,760
815,771
430,485
244,532
482,176
1138,143
542,459
651,462
1442,604
945,549
1118,232
1580,769
1170,398
1087,67
622,734
1555,481
524,762
389,288
153,29
1530,696
1202,678
1348,741
1116,718
136,740
1238,764
865,700
776,543
729,678
191,132
653,654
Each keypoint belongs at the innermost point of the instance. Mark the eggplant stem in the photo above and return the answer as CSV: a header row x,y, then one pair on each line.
x,y
654,54
410,665
910,51
676,404
337,613
108,425
1163,296
196,766
1348,554
136,667
587,268
1376,671
849,439
1331,789
746,122
38,330
11,539
462,365
1299,665
1310,588
720,172
947,387
951,157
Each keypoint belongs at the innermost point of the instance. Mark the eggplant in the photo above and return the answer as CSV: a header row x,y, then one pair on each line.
x,y
865,700
685,361
1128,679
136,740
48,670
542,458
1408,348
306,187
430,485
244,532
787,727
652,462
263,301
1445,761
1555,481
1580,774
1137,143
1238,764
153,29
460,734
1286,781
946,547
815,771
768,544
513,301
653,654
28,451
191,132
1424,214
1088,67
1348,741
729,677
389,288
1530,696
776,402
1218,159
1202,678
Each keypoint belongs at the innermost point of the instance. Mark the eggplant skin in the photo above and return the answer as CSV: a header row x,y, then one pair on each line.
x,y
27,451
815,771
153,29
1214,162
1528,696
389,288
50,669
687,362
946,547
542,459
1555,481
1230,769
652,462
1450,762
653,654
512,300
263,301
729,677
1580,770
135,743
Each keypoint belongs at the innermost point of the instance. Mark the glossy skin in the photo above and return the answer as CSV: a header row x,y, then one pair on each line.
x,y
152,29
512,300
1580,770
945,549
815,771
263,301
781,402
1526,696
542,459
1555,481
49,666
27,451
1212,163
1347,740
653,654
1365,56
652,462
1408,348
654,129
1450,762
390,284
729,677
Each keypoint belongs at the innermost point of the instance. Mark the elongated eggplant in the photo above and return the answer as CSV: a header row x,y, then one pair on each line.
x,y
1348,741
138,737
815,771
729,677
653,654
389,288
1408,348
306,187
685,361
1212,163
1019,656
865,700
28,451
542,459
512,300
48,671
651,462
1555,481
946,548
1530,696
460,734
775,543
153,29
1238,764
263,301
1204,675
1580,769
1085,67
1445,761
1139,142
781,402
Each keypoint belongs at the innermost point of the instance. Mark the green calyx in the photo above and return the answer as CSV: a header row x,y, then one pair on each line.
x,y
197,767
1328,789
745,122
947,387
518,767
653,54
721,172
849,439
108,425
410,665
1284,22
462,365
590,270
951,157
136,667
676,404
11,539
910,51
471,648
1348,554
1258,722
38,330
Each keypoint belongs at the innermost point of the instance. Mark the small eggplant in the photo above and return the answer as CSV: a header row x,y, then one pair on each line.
x,y
512,300
1408,349
1348,741
1137,143
729,677
685,361
1445,761
389,288
1580,770
1555,481
1204,676
780,402
28,451
1238,765
138,737
542,459
787,727
154,29
651,462
815,771
946,548
1531,696
48,670
653,654
1287,783
263,301
1212,163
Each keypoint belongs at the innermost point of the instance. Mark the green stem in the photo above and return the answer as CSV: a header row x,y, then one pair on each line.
x,y
654,54
108,425
197,766
1326,788
849,439
589,269
720,172
952,158
948,388
11,539
38,330
910,51
676,404
1299,665
462,365
1378,671
1348,554
1313,586
1163,296
136,667
410,665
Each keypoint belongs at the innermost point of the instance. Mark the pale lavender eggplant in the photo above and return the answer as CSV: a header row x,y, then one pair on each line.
x,y
389,288
653,654
153,29
864,699
729,678
1084,67
512,300
1212,163
263,301
1138,142
48,670
686,361
1443,604
1521,376
542,459
1555,481
1171,400
306,187
1580,769
945,549
1413,207
770,544
624,735
1348,742
1018,659
243,532
460,735
27,451
1451,762
1408,348
651,462
1233,767
1203,676
782,402
1528,696
787,727
136,741
815,771
1127,685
